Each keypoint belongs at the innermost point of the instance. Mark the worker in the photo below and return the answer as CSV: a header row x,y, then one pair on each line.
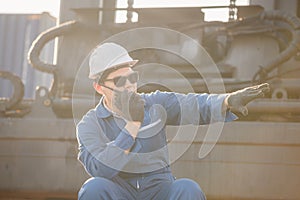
x,y
122,141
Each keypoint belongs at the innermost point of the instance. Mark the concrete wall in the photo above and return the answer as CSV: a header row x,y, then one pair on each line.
x,y
251,160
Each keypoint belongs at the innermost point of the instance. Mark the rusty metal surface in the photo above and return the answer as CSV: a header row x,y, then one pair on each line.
x,y
252,160
245,163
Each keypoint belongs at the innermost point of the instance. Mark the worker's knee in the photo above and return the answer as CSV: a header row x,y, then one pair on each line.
x,y
187,189
95,188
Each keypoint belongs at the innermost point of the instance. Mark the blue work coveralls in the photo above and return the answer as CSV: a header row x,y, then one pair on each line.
x,y
144,173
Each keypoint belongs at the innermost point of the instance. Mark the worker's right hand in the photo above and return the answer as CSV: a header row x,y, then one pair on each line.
x,y
130,104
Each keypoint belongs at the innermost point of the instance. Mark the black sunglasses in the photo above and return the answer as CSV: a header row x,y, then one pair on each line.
x,y
120,81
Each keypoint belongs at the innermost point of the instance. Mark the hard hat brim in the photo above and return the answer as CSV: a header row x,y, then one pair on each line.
x,y
131,63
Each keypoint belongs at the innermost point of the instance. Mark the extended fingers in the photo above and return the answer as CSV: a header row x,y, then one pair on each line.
x,y
250,93
264,88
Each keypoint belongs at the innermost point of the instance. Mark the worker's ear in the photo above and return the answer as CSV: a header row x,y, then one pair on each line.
x,y
98,88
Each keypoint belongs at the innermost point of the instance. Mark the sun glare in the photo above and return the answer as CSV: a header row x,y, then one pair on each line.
x,y
30,6
52,6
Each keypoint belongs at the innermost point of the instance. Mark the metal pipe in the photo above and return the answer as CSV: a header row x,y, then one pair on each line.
x,y
274,106
39,43
259,106
293,47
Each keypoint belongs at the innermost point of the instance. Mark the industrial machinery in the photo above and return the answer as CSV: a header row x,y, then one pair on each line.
x,y
255,157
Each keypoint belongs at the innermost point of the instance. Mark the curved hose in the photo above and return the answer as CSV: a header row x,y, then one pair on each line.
x,y
291,50
39,43
292,20
18,90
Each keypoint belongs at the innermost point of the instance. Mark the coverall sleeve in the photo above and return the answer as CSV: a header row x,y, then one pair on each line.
x,y
196,109
100,157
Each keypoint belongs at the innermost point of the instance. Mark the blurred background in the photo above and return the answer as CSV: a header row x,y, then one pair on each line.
x,y
44,89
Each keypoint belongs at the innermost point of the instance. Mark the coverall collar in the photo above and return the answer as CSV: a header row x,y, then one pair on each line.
x,y
101,110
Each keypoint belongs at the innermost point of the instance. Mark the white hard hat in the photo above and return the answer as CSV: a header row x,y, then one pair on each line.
x,y
106,56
